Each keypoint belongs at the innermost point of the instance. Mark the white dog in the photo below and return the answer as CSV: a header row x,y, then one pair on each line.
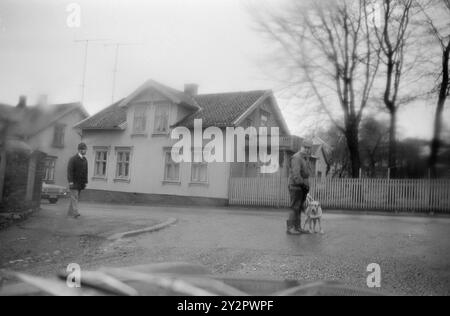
x,y
313,212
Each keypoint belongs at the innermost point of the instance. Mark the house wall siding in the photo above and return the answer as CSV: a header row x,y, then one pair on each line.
x,y
321,165
148,163
43,141
148,156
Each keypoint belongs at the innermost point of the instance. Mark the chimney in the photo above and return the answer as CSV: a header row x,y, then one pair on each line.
x,y
22,102
191,89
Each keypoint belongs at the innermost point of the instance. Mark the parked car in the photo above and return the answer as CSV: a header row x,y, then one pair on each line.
x,y
53,192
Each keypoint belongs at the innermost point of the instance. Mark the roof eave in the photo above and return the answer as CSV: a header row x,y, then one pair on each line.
x,y
102,128
267,94
167,94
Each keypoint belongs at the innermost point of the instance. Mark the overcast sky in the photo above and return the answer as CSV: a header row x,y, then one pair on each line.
x,y
208,42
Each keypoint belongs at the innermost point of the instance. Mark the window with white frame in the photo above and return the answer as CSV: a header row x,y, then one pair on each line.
x,y
199,168
265,118
140,119
161,119
100,163
171,168
123,163
49,169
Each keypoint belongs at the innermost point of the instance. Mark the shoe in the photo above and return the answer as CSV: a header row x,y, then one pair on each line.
x,y
298,227
291,230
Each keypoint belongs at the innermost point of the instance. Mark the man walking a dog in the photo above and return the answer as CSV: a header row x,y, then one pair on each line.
x,y
77,175
299,173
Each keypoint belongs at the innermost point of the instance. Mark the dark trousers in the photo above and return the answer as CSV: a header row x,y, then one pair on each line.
x,y
298,197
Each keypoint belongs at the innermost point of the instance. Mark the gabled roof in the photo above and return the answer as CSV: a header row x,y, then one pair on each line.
x,y
219,109
30,120
222,109
110,118
315,150
176,96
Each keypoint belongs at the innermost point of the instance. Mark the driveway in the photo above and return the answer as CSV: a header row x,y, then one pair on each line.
x,y
411,251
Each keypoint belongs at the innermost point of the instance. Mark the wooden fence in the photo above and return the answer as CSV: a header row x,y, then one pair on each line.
x,y
360,194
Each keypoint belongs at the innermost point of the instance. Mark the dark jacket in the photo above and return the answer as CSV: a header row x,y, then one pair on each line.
x,y
77,172
299,171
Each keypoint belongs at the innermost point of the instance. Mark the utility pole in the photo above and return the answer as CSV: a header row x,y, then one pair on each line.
x,y
86,47
117,46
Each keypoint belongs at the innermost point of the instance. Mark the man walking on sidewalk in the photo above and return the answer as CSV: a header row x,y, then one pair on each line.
x,y
299,174
77,171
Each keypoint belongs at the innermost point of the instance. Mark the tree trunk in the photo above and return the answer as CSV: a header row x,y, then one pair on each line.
x,y
393,142
436,141
372,167
353,148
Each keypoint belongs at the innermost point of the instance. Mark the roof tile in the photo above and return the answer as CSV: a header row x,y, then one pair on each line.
x,y
220,110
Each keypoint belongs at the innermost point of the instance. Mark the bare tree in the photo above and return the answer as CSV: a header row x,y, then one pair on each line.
x,y
438,25
338,157
326,47
374,141
392,37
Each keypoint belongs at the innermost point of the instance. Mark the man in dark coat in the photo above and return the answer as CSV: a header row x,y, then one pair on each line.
x,y
299,173
77,175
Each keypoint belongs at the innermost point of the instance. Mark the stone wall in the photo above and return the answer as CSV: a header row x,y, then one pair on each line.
x,y
17,178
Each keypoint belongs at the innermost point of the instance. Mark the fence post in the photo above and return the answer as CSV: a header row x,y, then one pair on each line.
x,y
430,193
2,170
279,191
389,191
230,174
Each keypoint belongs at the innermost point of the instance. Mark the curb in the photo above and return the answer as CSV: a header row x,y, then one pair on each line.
x,y
9,218
150,229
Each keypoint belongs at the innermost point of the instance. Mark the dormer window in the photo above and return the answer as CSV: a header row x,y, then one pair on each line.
x,y
140,119
161,119
265,118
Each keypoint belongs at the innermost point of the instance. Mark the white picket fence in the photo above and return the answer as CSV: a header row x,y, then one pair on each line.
x,y
406,195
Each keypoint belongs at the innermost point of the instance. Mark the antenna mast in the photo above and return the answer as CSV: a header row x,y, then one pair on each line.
x,y
117,46
86,47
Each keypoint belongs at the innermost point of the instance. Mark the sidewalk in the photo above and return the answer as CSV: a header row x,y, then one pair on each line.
x,y
49,239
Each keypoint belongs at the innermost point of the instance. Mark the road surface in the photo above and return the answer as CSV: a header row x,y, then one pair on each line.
x,y
413,252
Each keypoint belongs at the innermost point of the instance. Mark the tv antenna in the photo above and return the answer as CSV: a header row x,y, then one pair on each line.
x,y
117,46
86,47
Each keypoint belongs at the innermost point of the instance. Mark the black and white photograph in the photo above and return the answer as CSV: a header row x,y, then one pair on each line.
x,y
246,150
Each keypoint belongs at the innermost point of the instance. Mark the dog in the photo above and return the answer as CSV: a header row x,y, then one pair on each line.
x,y
313,213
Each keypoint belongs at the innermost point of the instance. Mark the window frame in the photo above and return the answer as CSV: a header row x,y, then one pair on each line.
x,y
46,168
58,138
264,113
143,118
167,152
120,150
158,107
98,149
199,165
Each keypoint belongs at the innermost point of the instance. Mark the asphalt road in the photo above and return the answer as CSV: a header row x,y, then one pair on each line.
x,y
411,251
